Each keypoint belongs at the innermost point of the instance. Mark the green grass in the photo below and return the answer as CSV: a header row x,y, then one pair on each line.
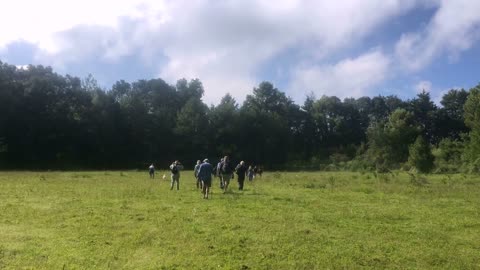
x,y
124,220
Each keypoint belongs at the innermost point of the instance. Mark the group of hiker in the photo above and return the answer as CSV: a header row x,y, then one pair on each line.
x,y
204,172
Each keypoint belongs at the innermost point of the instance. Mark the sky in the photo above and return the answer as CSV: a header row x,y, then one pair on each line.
x,y
348,48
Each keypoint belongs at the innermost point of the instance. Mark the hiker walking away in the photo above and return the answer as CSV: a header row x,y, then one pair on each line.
x,y
175,170
250,173
218,172
241,170
151,171
227,172
205,172
195,173
259,171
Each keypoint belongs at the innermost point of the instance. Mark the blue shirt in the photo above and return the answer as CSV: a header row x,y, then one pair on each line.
x,y
205,171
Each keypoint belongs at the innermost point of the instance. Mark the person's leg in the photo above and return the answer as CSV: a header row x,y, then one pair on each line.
x,y
224,177
226,182
204,191
172,182
178,182
221,181
240,183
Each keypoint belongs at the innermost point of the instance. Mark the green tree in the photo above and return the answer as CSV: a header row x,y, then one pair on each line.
x,y
424,111
472,120
449,119
308,130
192,128
224,121
472,109
388,141
267,123
338,125
420,155
448,155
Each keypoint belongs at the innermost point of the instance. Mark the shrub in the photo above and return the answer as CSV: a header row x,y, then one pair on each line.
x,y
420,156
417,180
448,156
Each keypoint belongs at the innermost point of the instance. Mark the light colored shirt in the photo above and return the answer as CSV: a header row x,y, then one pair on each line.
x,y
195,170
179,167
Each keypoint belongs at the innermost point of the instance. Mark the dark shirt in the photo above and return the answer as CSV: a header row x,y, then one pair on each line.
x,y
241,170
227,167
205,171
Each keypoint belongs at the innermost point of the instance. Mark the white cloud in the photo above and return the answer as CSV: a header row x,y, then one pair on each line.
x,y
423,86
454,28
216,41
347,78
38,21
226,43
230,40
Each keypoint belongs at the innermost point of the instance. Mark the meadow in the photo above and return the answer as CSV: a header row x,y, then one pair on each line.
x,y
314,220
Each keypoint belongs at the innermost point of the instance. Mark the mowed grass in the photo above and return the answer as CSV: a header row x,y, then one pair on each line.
x,y
124,220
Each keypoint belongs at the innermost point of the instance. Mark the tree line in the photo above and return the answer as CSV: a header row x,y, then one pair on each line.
x,y
52,121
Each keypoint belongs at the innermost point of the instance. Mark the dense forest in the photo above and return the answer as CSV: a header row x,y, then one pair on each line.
x,y
51,121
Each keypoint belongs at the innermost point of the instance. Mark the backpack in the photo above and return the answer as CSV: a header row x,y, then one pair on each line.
x,y
174,170
226,167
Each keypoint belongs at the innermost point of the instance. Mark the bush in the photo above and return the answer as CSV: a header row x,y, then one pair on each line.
x,y
359,165
448,156
338,158
420,156
474,167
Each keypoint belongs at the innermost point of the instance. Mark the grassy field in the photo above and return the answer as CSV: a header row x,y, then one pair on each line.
x,y
124,220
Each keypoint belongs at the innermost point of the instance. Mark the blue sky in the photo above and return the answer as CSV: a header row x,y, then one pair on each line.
x,y
346,48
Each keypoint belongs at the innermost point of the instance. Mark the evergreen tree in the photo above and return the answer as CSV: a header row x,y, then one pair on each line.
x,y
420,155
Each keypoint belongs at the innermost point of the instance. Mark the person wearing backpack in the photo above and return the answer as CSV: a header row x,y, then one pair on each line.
x,y
205,175
250,173
175,173
241,170
195,173
227,172
151,171
218,172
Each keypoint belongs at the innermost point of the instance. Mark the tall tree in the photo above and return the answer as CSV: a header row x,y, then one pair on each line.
x,y
265,120
224,121
424,111
448,120
192,128
388,141
472,120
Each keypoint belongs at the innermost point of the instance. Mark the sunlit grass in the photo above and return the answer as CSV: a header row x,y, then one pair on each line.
x,y
124,220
